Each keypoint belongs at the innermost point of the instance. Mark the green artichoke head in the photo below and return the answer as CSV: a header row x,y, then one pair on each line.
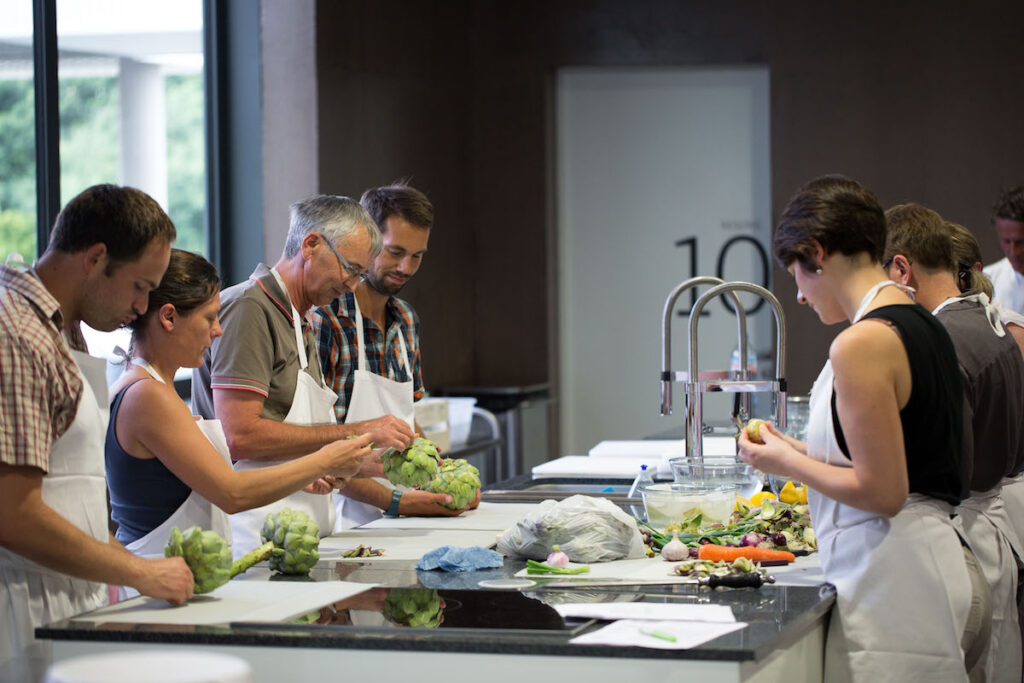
x,y
416,607
413,467
458,479
206,554
296,540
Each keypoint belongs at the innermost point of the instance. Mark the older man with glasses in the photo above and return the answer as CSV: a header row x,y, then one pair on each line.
x,y
262,378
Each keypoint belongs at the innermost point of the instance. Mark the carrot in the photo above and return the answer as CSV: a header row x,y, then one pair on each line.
x,y
722,553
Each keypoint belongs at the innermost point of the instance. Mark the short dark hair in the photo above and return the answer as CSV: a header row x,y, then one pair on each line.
x,y
188,283
1010,205
399,199
921,235
840,214
124,219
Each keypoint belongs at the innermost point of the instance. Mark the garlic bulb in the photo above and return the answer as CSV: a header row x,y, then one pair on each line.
x,y
675,550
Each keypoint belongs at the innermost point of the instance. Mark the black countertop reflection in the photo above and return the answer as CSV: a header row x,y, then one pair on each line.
x,y
475,620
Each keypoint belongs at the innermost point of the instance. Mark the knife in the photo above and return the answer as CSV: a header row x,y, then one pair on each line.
x,y
748,580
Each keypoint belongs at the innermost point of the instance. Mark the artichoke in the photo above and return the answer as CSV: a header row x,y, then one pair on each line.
x,y
208,556
413,467
458,479
296,540
205,553
416,607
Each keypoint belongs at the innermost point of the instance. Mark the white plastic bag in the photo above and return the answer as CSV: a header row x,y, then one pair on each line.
x,y
586,529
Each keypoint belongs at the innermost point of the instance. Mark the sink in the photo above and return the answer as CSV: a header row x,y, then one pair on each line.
x,y
525,489
542,485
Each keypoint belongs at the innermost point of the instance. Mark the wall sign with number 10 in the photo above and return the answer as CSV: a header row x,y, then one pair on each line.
x,y
691,243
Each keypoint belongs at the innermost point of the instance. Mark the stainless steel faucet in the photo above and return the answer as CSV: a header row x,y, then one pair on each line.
x,y
667,376
740,383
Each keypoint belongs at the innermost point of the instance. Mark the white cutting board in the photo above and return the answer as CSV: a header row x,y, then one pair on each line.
x,y
806,571
238,600
402,544
584,467
658,448
643,569
487,517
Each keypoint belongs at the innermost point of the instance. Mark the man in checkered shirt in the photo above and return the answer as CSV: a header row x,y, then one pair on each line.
x,y
109,247
369,339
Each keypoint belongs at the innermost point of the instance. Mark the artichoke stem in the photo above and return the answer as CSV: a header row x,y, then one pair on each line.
x,y
251,558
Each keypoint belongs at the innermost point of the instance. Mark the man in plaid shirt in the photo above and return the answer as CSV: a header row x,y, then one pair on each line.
x,y
369,339
405,217
109,247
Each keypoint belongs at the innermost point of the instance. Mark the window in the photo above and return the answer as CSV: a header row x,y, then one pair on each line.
x,y
17,131
131,112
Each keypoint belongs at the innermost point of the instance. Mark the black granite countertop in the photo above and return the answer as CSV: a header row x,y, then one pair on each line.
x,y
487,621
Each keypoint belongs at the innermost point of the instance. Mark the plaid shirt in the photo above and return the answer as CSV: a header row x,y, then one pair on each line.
x,y
40,384
334,328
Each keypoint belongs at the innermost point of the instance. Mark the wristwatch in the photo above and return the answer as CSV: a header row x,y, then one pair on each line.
x,y
396,497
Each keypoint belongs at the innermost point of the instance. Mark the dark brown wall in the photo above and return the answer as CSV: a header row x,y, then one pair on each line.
x,y
918,101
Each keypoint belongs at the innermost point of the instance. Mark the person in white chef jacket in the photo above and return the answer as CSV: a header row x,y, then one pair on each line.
x,y
919,251
1007,274
883,458
108,248
262,377
369,342
166,469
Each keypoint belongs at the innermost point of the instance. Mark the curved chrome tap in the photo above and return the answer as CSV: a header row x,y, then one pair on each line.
x,y
667,376
695,387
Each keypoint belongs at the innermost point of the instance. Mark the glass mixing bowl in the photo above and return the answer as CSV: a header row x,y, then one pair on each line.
x,y
671,503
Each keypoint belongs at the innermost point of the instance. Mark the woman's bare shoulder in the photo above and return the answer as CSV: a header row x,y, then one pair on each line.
x,y
865,345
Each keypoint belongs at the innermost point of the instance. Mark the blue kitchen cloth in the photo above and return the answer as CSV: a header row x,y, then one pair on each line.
x,y
451,558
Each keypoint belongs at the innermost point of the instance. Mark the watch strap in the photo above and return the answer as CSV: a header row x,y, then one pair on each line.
x,y
396,497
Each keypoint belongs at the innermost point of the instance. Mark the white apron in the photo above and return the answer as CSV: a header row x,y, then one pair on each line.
x,y
373,396
76,488
312,404
983,522
195,511
903,593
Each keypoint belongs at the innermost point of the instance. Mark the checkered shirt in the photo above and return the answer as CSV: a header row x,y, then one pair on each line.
x,y
40,384
334,329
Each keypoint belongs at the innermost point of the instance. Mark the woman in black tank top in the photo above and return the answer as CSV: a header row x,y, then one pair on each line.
x,y
883,458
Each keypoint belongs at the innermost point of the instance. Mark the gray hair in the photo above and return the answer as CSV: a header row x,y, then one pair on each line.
x,y
337,218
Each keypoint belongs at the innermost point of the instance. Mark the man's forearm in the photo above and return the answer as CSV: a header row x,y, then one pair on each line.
x,y
368,491
48,539
269,440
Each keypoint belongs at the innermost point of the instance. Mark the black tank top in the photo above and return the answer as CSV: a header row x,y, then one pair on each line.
x,y
143,493
933,417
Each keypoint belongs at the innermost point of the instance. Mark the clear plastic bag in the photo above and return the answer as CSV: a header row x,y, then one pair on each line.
x,y
586,529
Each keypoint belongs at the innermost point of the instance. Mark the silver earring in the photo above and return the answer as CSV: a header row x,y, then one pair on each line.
x,y
817,271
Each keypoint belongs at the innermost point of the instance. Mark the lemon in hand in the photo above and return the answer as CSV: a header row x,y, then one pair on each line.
x,y
754,430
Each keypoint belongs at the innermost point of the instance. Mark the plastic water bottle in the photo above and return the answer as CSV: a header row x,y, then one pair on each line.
x,y
643,478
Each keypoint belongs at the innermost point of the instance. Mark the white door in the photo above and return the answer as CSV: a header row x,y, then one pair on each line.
x,y
658,170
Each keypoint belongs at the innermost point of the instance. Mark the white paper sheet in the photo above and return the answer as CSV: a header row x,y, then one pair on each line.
x,y
487,517
238,600
629,633
402,544
652,611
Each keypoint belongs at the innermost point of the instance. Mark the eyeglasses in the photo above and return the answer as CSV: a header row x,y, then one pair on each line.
x,y
352,271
